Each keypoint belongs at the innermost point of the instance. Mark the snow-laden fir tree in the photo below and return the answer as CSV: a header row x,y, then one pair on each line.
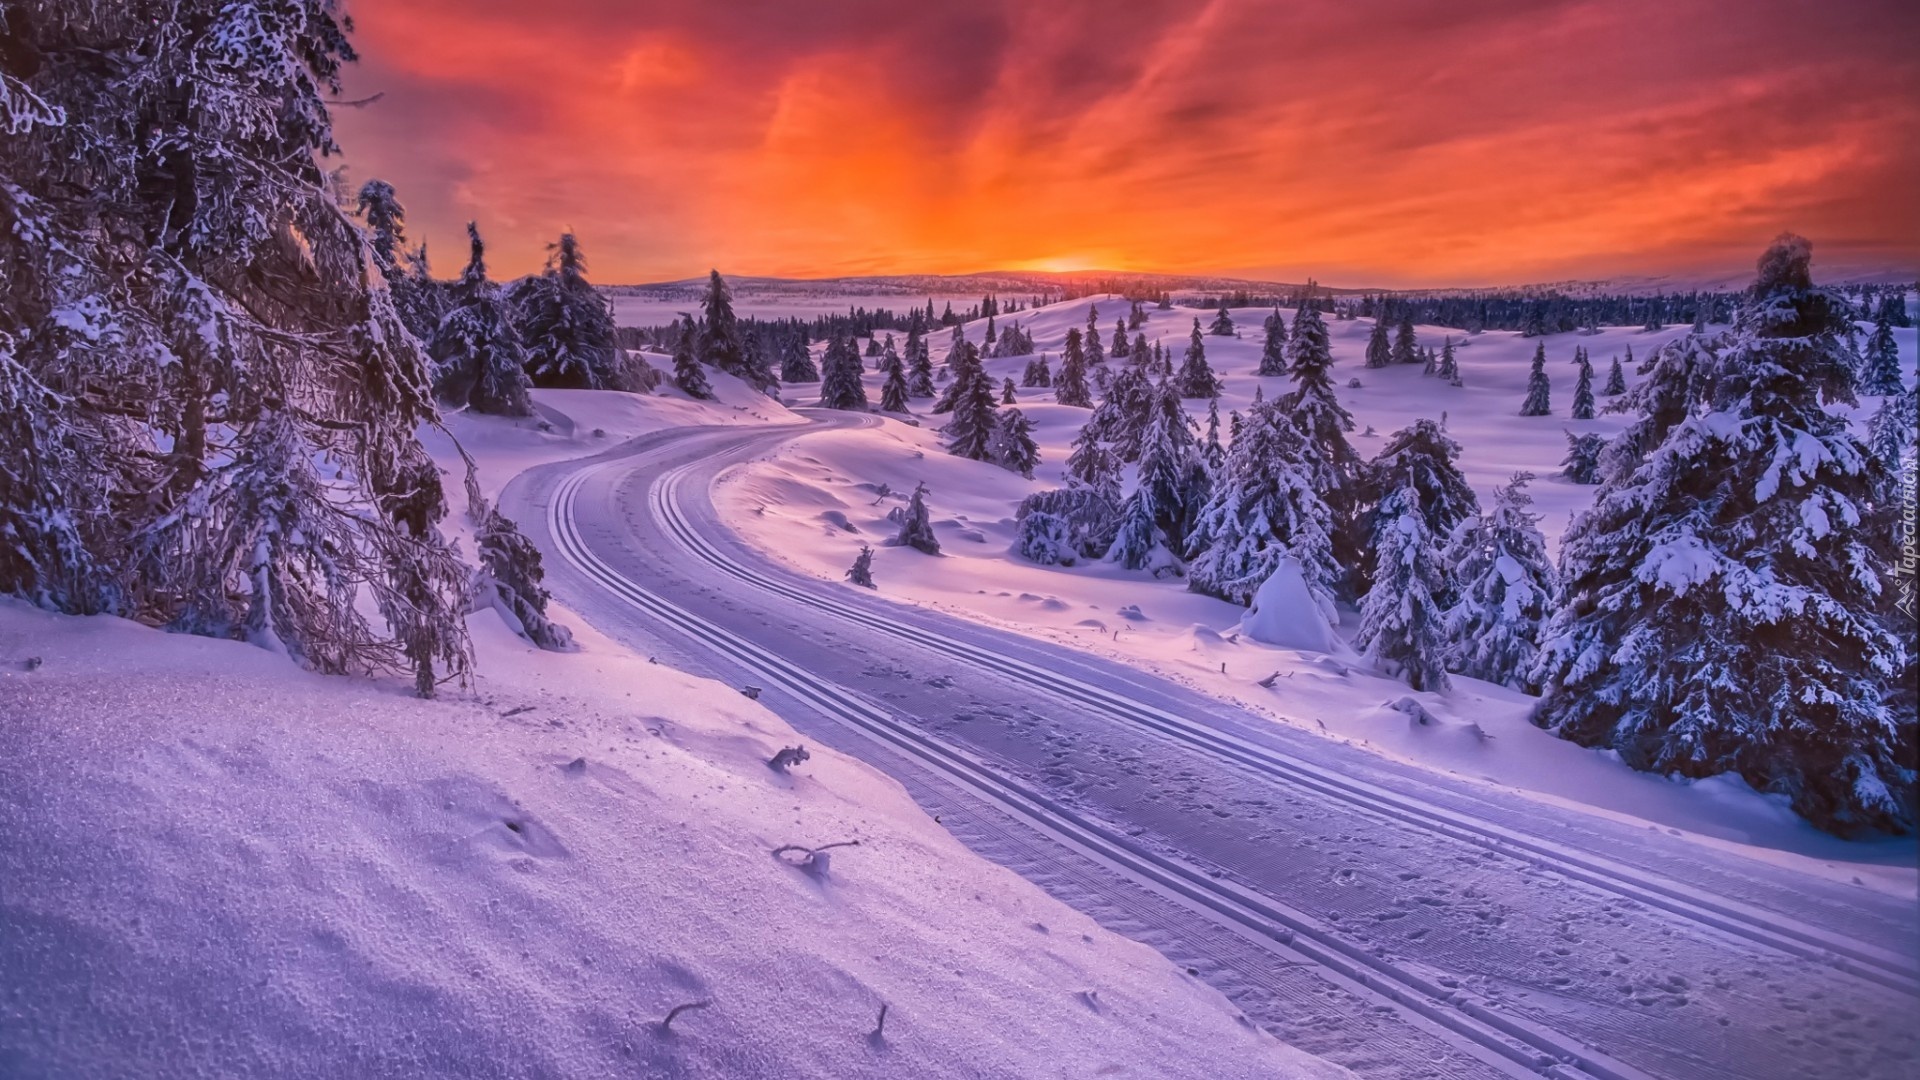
x,y
916,525
1616,379
1142,355
796,360
1583,388
1119,350
1012,446
1262,509
962,362
416,296
1406,348
1422,459
1721,608
1037,373
209,405
1402,619
1043,539
1333,468
1582,465
840,370
1070,388
893,387
970,430
1880,363
1122,416
1222,325
1379,352
1165,489
1196,379
721,344
689,374
1091,464
1505,583
479,362
861,572
1008,396
1211,450
1273,348
1448,369
1073,523
512,577
919,366
1539,389
1096,354
566,326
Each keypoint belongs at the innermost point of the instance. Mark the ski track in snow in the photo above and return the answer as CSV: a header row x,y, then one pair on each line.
x,y
1391,920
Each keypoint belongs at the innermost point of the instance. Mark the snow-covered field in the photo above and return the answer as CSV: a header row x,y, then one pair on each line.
x,y
813,503
219,865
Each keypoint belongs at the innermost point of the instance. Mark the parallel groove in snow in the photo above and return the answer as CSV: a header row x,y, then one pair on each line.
x,y
1497,1038
1789,936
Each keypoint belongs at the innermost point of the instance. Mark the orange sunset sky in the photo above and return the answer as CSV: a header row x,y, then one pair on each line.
x,y
1396,143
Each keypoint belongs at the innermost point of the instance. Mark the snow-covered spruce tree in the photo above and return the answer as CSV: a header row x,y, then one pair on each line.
x,y
1263,508
1007,393
916,525
188,314
721,344
1402,621
1539,389
1122,416
1720,608
511,577
1333,468
1037,373
1616,379
1169,461
1071,387
970,431
565,324
1498,563
840,370
1196,378
861,572
1406,349
1449,367
1119,350
1090,464
1012,446
919,364
1880,363
796,361
479,362
963,362
1211,450
1273,350
1583,388
1096,354
893,388
689,374
1142,355
1582,465
1222,325
1078,523
1419,458
1379,352
415,294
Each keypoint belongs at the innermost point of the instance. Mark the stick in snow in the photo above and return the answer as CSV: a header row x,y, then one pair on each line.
x,y
666,1026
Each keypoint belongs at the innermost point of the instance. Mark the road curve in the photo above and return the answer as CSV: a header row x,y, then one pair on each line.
x,y
1377,914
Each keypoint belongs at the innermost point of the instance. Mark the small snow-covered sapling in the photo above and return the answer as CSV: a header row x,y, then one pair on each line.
x,y
787,758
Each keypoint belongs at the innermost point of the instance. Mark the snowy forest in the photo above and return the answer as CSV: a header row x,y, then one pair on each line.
x,y
896,549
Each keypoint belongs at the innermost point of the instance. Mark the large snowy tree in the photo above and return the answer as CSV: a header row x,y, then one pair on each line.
x,y
1196,379
1402,619
1880,362
970,430
566,326
840,371
1721,608
479,362
208,403
1273,348
1263,508
1498,563
1420,458
1539,400
1333,468
1070,387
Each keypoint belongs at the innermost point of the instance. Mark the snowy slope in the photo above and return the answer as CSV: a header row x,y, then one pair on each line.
x,y
813,504
220,865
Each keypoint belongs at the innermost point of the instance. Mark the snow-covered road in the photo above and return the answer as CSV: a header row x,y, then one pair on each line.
x,y
1395,920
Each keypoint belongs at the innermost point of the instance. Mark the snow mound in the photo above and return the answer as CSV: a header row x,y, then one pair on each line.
x,y
219,865
1285,613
